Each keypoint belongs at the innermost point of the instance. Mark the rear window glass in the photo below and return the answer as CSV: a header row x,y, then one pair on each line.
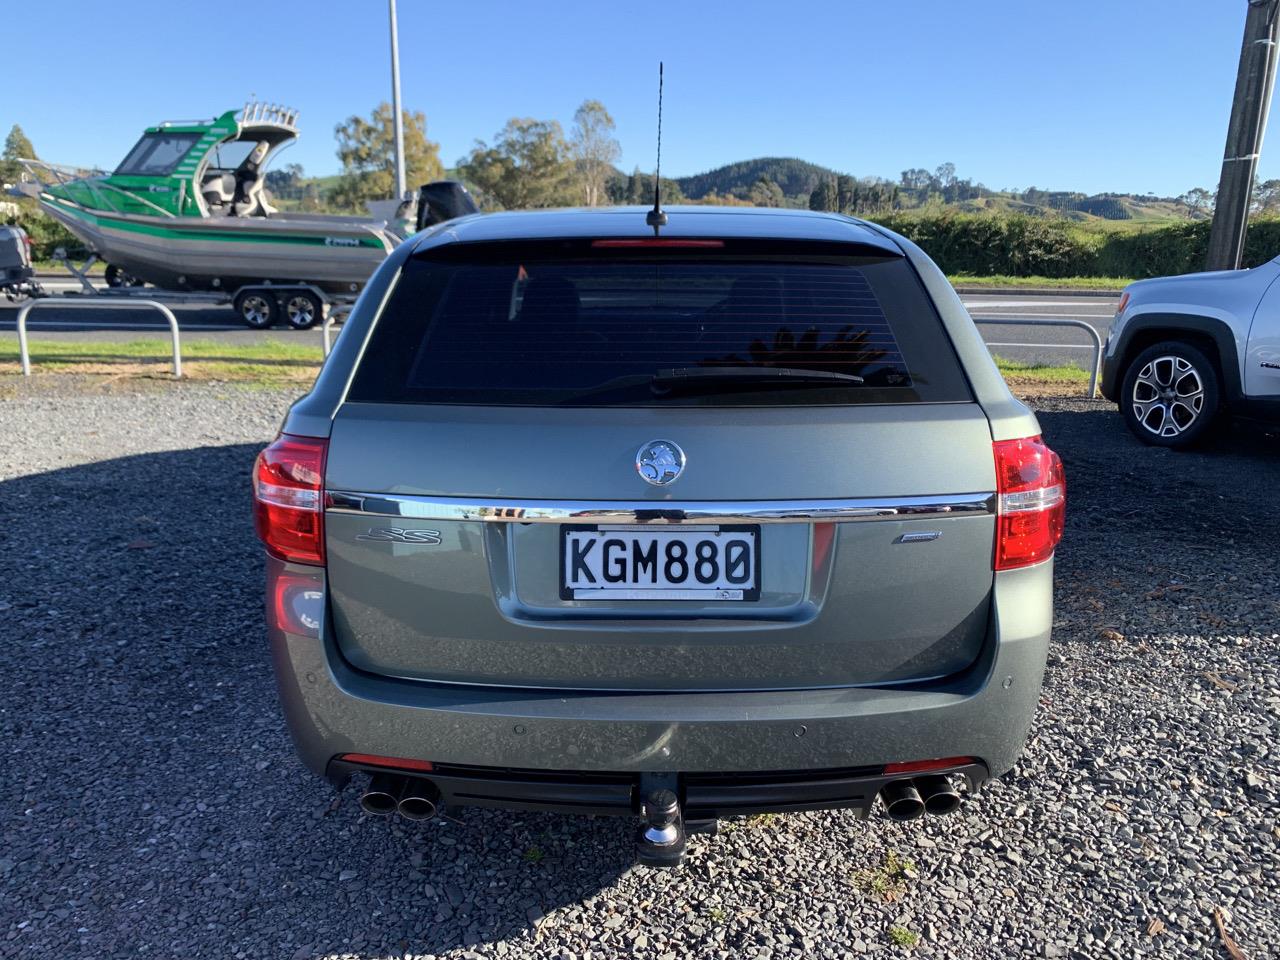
x,y
575,325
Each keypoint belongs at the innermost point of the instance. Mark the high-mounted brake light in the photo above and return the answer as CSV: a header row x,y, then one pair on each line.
x,y
288,498
1032,502
657,242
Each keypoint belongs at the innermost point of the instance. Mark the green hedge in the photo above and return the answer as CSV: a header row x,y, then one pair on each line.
x,y
1023,246
46,233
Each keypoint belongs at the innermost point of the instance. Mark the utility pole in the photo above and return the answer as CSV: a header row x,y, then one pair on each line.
x,y
397,117
1255,79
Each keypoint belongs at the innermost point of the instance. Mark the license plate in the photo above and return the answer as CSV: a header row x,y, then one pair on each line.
x,y
660,563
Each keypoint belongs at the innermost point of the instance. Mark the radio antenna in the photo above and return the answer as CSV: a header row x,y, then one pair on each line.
x,y
656,217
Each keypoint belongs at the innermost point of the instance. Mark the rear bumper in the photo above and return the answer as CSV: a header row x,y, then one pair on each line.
x,y
1109,386
702,796
985,712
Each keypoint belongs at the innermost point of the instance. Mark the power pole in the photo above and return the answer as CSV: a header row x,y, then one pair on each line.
x,y
1255,79
397,118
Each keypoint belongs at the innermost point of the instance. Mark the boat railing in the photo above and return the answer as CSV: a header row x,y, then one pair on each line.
x,y
255,112
49,174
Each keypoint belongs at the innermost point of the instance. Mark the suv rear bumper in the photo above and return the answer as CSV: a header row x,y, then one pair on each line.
x,y
984,712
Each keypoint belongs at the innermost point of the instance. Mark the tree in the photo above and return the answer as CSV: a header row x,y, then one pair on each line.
x,y
1265,196
16,146
1198,201
765,193
286,182
529,165
945,175
917,178
367,151
825,196
594,149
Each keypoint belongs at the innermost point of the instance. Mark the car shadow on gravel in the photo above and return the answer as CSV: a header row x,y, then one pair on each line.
x,y
154,796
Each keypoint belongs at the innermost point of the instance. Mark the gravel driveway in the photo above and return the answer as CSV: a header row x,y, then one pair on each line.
x,y
153,807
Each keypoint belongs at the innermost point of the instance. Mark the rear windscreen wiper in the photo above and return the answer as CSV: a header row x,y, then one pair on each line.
x,y
678,375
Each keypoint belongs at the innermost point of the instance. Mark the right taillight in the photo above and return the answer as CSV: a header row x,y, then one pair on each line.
x,y
1032,502
288,498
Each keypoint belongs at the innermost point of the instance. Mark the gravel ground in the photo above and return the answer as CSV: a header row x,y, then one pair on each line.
x,y
154,808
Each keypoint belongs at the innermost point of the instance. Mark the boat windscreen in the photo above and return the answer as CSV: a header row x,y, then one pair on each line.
x,y
229,156
157,154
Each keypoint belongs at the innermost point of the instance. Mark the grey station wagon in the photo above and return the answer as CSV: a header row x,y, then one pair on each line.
x,y
728,517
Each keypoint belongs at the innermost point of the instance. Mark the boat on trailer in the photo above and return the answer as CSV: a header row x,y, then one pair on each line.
x,y
188,210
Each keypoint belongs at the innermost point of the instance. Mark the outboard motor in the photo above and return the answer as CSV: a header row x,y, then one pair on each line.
x,y
443,200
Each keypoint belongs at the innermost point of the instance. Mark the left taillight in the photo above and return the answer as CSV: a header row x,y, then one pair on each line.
x,y
288,498
1032,503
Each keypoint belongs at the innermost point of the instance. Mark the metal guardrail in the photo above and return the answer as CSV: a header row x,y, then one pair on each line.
x,y
335,312
112,303
1095,368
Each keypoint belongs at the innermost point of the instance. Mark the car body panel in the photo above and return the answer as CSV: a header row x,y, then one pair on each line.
x,y
985,712
1220,304
483,606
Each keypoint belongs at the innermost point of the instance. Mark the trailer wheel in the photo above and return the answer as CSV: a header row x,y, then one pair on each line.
x,y
302,309
256,308
116,277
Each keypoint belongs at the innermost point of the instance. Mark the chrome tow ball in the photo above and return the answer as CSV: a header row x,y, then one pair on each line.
x,y
661,842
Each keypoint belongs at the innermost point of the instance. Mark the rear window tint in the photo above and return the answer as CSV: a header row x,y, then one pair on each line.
x,y
534,326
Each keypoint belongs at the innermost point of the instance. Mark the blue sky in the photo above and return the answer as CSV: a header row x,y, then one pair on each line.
x,y
1093,95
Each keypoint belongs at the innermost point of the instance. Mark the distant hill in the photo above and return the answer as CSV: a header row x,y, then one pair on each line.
x,y
795,177
921,188
790,182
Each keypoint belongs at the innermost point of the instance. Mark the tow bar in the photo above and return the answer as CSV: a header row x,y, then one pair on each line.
x,y
661,842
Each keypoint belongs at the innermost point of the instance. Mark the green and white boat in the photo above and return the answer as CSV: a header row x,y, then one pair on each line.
x,y
187,209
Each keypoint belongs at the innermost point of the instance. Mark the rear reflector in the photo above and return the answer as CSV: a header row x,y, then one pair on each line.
x,y
657,242
288,498
1032,505
927,766
295,601
394,763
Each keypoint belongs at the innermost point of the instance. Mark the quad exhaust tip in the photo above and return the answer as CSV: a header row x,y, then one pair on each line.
x,y
412,797
902,801
909,799
382,795
939,796
419,801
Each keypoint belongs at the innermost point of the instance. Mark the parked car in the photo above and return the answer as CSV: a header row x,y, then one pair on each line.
x,y
738,517
17,275
1185,352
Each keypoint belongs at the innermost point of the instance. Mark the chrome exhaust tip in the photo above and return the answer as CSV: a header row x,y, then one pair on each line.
x,y
382,795
902,800
420,800
940,797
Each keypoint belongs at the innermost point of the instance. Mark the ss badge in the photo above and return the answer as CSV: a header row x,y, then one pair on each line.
x,y
400,535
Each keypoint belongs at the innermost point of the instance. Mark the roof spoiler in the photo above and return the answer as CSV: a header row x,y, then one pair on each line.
x,y
443,200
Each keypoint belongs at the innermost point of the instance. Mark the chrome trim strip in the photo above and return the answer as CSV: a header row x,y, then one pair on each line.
x,y
656,511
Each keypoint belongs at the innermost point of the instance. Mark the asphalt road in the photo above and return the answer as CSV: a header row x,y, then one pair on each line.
x,y
1055,345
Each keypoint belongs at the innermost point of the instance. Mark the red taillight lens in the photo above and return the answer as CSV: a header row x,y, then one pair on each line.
x,y
288,498
927,766
1124,302
395,763
1032,502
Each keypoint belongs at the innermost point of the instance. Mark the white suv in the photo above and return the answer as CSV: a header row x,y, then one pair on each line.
x,y
1184,351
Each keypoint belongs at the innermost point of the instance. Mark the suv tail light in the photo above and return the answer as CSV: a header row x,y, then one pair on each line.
x,y
1032,502
288,498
